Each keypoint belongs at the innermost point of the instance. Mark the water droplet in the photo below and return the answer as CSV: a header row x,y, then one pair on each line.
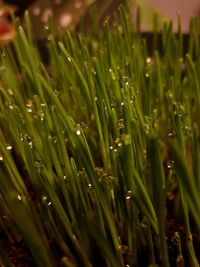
x,y
93,71
65,177
121,124
187,131
170,164
21,137
56,92
11,107
182,110
53,139
43,105
78,132
19,197
83,125
1,158
49,203
147,128
29,141
10,91
69,58
29,110
169,95
46,26
112,74
41,115
122,103
175,240
44,198
171,134
37,166
148,60
29,103
89,186
75,236
132,99
123,248
9,147
147,75
125,81
111,147
128,194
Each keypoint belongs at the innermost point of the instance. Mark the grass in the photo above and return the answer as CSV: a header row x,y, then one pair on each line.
x,y
93,149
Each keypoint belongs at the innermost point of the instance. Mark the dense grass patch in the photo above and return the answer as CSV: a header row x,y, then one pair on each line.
x,y
99,150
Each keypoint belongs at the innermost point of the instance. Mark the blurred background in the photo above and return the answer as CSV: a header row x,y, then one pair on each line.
x,y
67,13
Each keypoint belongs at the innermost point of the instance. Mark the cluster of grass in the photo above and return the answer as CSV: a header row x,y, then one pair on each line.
x,y
93,145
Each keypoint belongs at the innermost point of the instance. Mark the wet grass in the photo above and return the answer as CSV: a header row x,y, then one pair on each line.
x,y
92,150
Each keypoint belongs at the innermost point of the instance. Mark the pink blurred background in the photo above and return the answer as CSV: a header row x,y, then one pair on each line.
x,y
186,8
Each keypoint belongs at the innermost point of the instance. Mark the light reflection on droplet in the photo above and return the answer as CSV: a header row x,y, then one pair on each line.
x,y
9,147
148,60
10,91
89,186
53,139
1,158
78,132
170,164
19,197
170,134
11,107
44,198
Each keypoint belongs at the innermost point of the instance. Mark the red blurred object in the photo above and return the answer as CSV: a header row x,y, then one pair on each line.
x,y
7,30
3,29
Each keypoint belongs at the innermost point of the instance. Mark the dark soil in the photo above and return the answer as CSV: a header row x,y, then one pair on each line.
x,y
20,256
17,252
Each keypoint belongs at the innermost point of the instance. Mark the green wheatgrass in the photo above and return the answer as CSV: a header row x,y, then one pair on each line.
x,y
104,133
